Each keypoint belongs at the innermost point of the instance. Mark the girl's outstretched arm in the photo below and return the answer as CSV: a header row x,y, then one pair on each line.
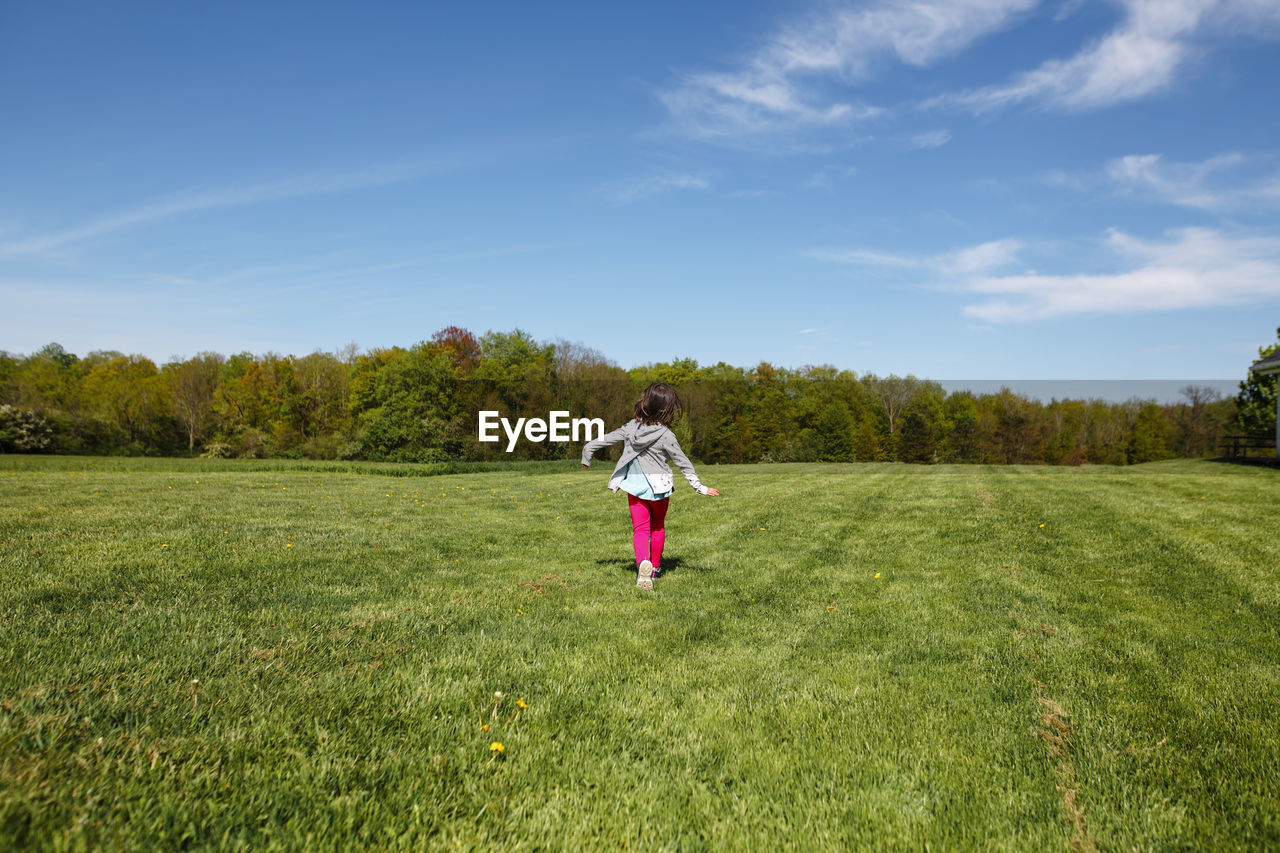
x,y
676,455
589,449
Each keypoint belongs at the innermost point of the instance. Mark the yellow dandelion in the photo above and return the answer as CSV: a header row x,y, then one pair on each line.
x,y
1042,525
485,727
877,575
831,607
497,747
521,704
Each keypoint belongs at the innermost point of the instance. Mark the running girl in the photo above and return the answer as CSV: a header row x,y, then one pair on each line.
x,y
642,472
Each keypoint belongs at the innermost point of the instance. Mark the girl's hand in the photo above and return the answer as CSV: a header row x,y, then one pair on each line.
x,y
713,493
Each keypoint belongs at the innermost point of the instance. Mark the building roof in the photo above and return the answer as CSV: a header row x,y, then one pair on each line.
x,y
1268,365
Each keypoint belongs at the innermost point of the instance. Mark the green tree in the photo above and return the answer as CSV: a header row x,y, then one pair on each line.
x,y
415,405
248,397
918,441
1151,437
517,374
314,402
193,384
1007,430
362,393
9,364
588,385
130,393
1256,402
835,433
960,436
47,379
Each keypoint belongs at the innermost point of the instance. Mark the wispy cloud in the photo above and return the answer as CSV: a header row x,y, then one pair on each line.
x,y
203,200
785,83
1230,182
1215,184
177,280
973,260
1190,268
804,75
931,139
866,257
658,184
826,177
1142,56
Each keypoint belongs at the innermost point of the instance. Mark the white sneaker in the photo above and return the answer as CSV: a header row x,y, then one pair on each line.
x,y
644,575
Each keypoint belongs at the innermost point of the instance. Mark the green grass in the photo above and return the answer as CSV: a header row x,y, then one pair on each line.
x,y
1050,658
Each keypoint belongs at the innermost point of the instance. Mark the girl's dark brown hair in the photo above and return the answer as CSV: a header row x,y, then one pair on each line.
x,y
659,405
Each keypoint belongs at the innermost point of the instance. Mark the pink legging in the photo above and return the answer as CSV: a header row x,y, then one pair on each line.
x,y
647,533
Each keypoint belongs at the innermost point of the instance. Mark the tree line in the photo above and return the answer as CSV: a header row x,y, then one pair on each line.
x,y
420,404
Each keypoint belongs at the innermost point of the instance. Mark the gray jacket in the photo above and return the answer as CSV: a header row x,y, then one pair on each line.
x,y
653,445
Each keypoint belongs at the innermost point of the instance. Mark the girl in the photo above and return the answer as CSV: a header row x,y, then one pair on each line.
x,y
642,472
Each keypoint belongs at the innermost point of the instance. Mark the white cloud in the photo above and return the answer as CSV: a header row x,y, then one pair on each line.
x,y
1213,184
1067,9
864,257
826,177
1191,268
1140,57
931,139
180,281
780,86
195,202
658,184
801,76
984,257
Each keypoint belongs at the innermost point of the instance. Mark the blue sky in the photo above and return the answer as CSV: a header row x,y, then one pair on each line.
x,y
951,188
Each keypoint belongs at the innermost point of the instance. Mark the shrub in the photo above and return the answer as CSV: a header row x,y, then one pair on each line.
x,y
23,431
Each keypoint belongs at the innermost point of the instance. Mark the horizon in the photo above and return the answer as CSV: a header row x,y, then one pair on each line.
x,y
1162,391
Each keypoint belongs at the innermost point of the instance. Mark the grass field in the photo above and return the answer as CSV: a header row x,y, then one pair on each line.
x,y
248,656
